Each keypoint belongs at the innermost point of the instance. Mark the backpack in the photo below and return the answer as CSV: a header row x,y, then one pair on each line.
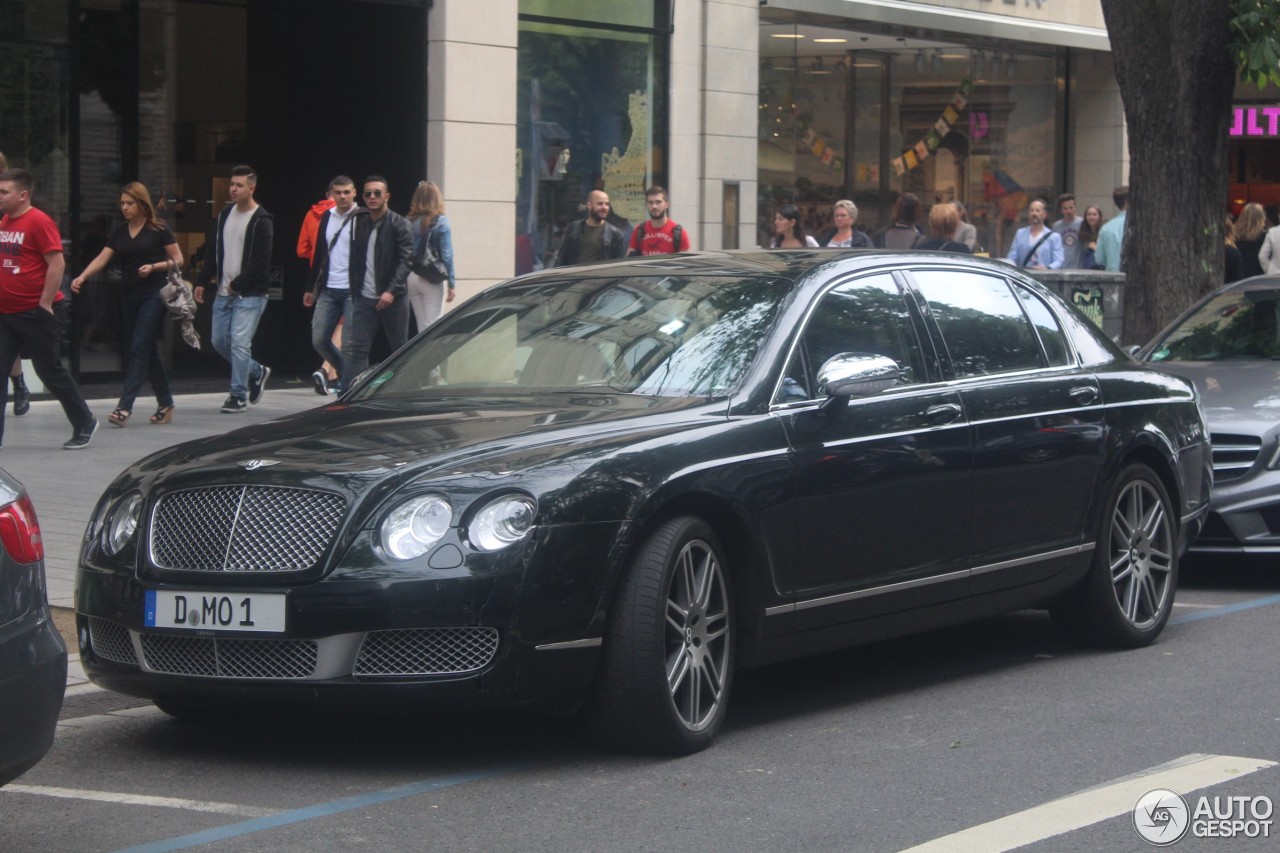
x,y
425,263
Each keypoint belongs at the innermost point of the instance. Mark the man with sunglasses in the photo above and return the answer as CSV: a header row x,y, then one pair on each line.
x,y
380,256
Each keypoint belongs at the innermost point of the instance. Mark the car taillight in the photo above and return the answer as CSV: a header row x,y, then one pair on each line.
x,y
20,531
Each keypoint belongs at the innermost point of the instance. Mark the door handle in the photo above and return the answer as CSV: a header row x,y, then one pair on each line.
x,y
1085,395
943,413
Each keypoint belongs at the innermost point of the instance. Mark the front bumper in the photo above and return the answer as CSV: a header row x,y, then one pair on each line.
x,y
500,629
1244,517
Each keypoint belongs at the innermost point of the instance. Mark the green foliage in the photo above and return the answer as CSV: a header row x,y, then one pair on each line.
x,y
1256,32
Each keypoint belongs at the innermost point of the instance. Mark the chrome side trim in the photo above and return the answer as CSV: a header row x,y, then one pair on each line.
x,y
808,604
865,593
1035,558
590,642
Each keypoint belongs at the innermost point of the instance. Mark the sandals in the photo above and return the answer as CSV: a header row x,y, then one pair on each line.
x,y
119,417
163,415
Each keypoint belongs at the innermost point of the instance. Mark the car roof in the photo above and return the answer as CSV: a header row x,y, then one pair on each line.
x,y
783,263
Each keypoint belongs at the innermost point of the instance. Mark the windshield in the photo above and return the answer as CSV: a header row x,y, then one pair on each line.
x,y
671,336
1235,324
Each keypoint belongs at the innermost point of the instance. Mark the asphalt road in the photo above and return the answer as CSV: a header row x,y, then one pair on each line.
x,y
879,748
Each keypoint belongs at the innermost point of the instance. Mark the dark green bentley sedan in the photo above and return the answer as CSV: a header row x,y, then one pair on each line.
x,y
609,487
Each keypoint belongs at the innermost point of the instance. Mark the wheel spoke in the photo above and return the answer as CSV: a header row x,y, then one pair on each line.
x,y
705,578
1121,568
677,617
677,669
1131,595
694,707
685,571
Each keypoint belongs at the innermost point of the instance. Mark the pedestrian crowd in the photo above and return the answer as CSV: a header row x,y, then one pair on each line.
x,y
371,268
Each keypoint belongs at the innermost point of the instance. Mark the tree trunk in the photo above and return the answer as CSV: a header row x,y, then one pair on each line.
x,y
1176,75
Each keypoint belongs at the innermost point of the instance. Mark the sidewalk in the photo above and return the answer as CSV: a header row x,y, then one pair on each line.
x,y
66,484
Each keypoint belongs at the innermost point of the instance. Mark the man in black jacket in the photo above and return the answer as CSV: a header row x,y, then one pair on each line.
x,y
238,265
591,239
380,256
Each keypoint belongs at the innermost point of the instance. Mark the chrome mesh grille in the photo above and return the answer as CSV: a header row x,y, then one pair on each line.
x,y
243,528
1233,455
228,658
426,651
110,641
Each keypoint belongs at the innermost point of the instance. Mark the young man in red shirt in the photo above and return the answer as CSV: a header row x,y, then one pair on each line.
x,y
31,268
660,235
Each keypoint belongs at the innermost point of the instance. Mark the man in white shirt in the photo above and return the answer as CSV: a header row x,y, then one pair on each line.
x,y
238,264
330,291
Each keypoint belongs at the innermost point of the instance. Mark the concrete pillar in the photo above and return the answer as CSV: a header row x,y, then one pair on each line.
x,y
471,133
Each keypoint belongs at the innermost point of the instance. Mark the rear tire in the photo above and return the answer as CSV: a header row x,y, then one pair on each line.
x,y
667,665
1125,600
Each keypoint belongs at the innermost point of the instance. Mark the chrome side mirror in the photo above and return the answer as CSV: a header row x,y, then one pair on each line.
x,y
857,374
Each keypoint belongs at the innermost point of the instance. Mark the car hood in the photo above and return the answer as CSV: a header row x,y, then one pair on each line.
x,y
1239,395
371,438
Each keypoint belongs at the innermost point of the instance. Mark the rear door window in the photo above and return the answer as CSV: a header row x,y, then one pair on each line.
x,y
984,328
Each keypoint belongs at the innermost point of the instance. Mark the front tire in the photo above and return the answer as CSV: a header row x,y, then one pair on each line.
x,y
1127,596
668,655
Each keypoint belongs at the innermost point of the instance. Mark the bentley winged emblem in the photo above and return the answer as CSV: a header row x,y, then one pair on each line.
x,y
255,464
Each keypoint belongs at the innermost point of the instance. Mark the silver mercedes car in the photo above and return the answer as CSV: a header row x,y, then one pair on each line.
x,y
1228,344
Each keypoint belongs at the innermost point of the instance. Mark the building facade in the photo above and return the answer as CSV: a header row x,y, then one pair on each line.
x,y
518,108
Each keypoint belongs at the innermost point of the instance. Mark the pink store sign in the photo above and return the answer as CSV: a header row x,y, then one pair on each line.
x,y
1255,121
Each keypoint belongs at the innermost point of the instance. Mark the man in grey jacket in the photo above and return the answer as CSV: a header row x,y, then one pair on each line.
x,y
380,253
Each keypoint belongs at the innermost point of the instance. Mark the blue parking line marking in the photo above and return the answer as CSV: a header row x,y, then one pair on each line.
x,y
1226,610
332,807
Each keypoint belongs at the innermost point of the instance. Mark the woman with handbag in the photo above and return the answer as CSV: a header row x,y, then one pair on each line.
x,y
148,255
431,278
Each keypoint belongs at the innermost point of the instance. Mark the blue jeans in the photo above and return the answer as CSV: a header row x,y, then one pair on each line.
x,y
332,305
145,311
357,339
235,319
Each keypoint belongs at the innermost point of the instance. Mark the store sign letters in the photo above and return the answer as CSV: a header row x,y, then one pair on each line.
x,y
1255,121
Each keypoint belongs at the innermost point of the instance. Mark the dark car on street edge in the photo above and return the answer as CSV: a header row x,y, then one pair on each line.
x,y
33,656
608,487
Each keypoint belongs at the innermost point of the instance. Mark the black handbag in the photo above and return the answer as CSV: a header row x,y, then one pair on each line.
x,y
426,263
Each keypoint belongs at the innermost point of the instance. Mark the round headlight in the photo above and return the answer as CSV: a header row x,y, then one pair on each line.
x,y
502,522
122,523
415,526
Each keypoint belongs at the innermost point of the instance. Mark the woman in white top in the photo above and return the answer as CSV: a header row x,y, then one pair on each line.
x,y
428,222
788,233
1269,254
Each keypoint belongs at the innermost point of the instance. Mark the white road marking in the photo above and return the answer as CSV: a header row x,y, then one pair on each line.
x,y
1094,805
139,800
1203,606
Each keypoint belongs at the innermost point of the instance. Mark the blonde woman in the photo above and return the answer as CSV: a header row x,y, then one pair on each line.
x,y
428,222
147,252
1250,231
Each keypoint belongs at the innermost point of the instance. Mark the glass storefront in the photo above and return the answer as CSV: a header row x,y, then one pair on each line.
x,y
591,114
868,114
173,93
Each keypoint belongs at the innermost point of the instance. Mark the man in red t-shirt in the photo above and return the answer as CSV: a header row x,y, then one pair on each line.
x,y
31,268
660,235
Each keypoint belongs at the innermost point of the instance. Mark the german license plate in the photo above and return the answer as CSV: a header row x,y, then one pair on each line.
x,y
215,611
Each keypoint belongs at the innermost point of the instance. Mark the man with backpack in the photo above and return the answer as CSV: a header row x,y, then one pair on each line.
x,y
660,235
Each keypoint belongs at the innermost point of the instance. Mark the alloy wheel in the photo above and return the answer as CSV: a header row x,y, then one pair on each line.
x,y
697,635
1142,554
